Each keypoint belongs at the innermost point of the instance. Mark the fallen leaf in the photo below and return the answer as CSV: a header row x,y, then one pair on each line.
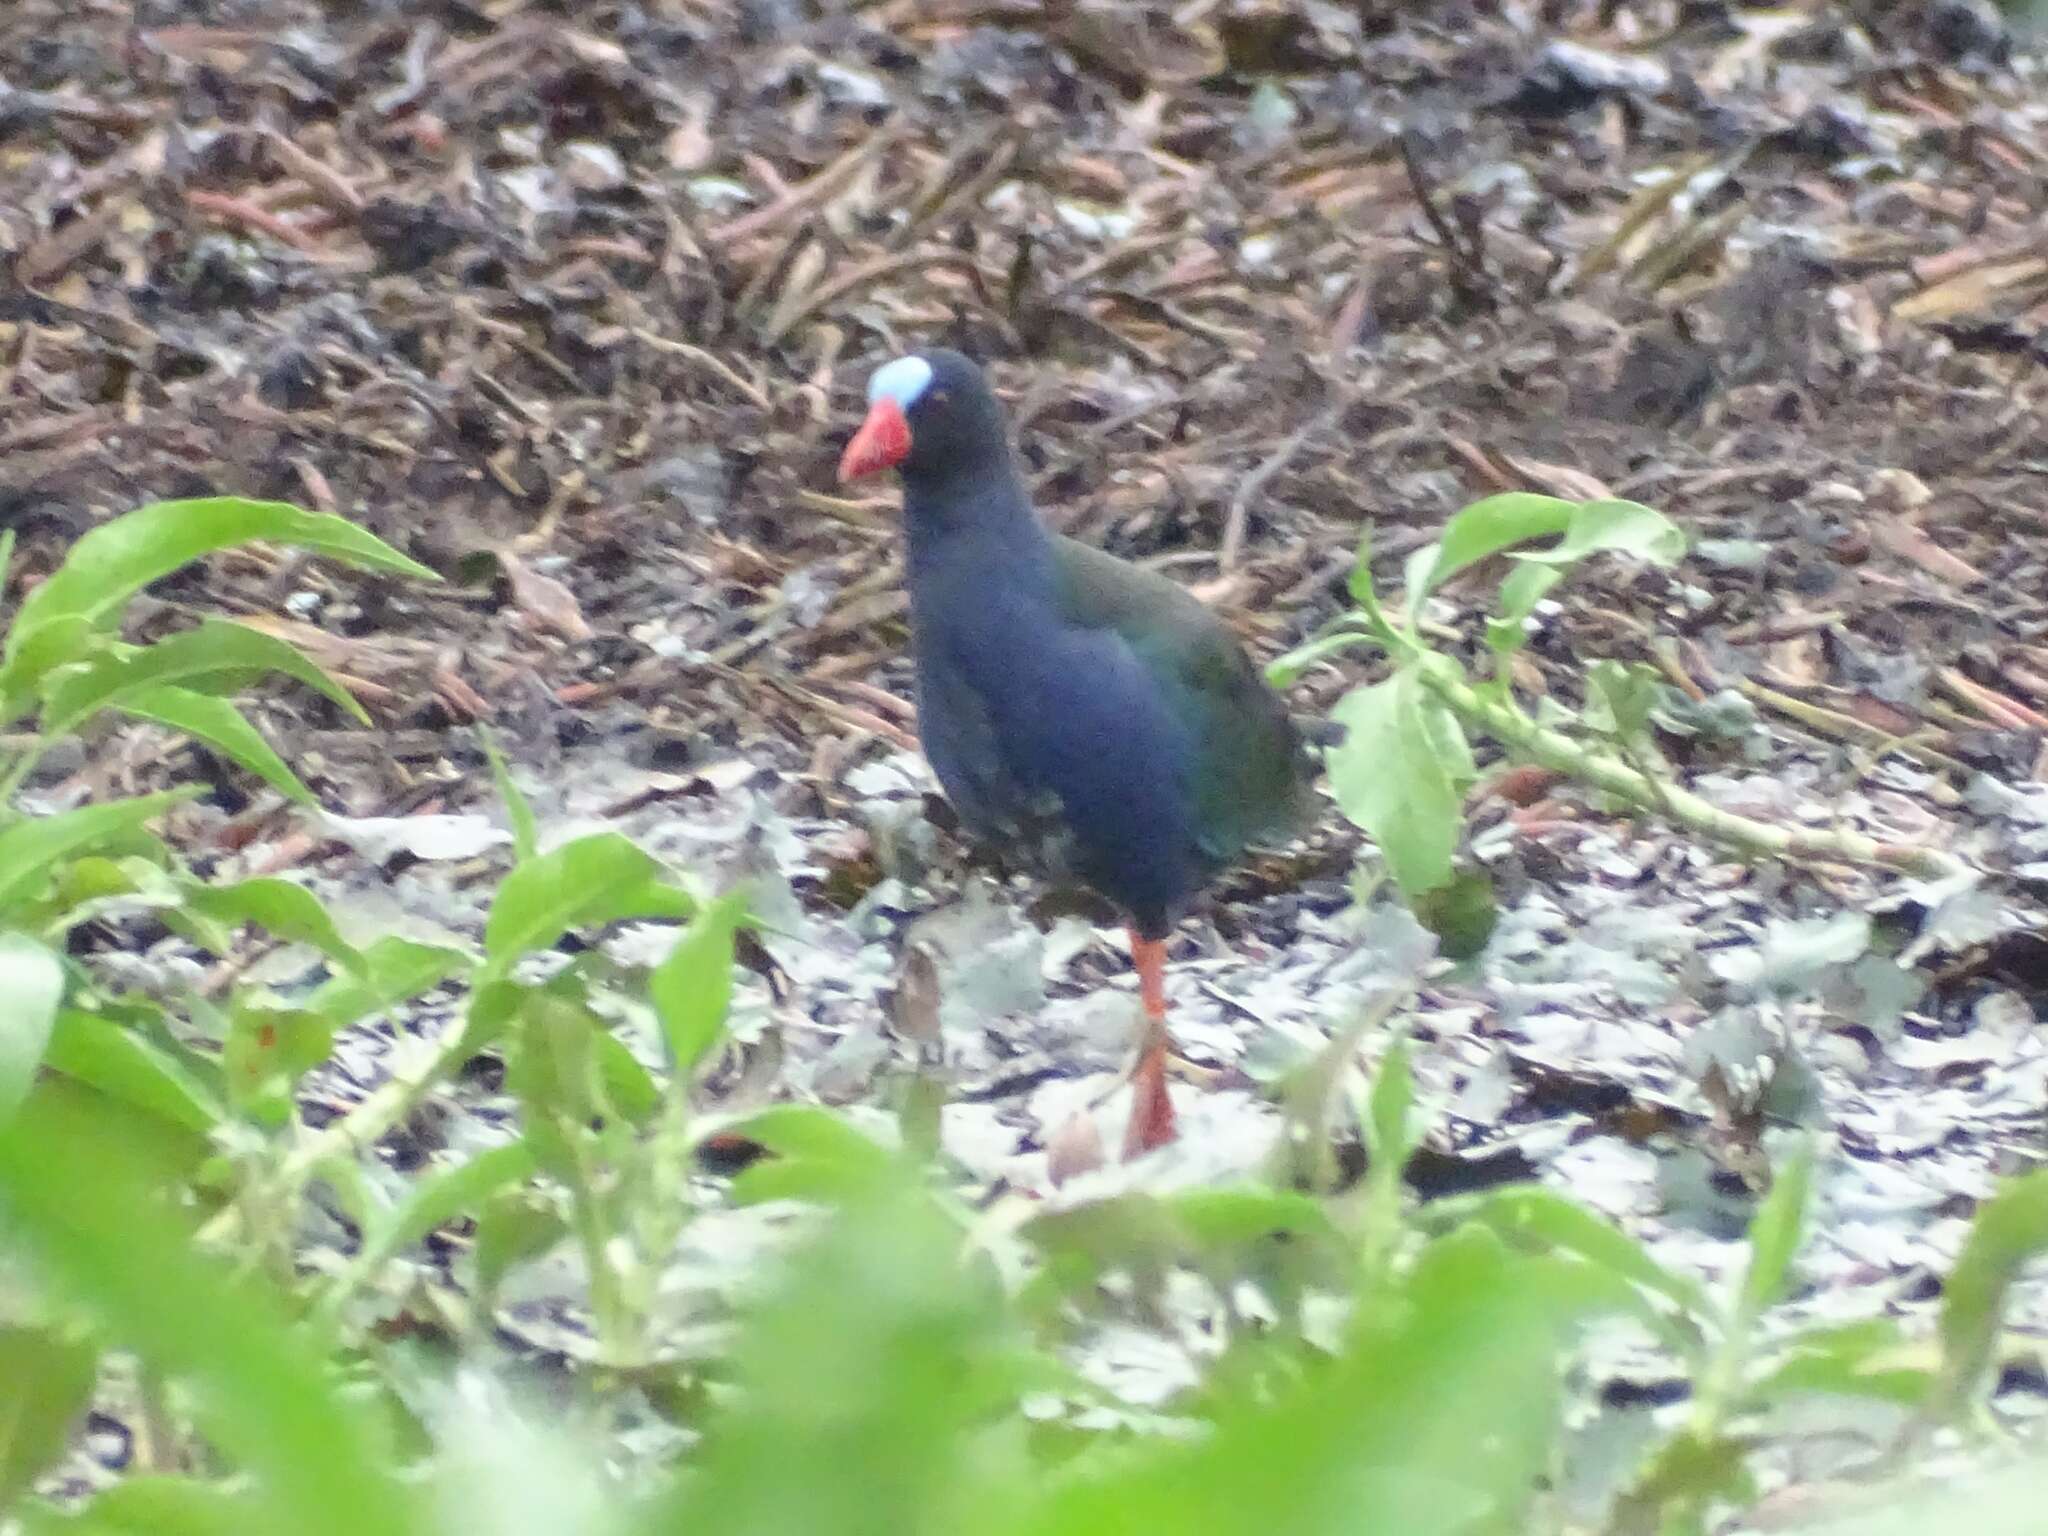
x,y
542,599
428,838
1909,543
1075,1148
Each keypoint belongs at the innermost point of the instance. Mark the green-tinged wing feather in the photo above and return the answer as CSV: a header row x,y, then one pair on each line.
x,y
1251,773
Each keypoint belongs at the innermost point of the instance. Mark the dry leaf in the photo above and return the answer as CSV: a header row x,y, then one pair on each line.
x,y
1559,479
1908,542
1075,1148
915,1008
543,600
1974,292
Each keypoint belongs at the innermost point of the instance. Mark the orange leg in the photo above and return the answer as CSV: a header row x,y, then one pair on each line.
x,y
1151,1122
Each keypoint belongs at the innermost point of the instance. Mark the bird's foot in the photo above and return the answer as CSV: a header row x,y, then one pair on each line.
x,y
1151,1124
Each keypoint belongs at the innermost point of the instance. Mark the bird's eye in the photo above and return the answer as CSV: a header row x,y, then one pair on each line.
x,y
940,397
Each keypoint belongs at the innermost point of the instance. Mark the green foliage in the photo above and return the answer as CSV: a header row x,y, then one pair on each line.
x,y
1407,792
597,879
32,982
1405,766
116,560
62,659
692,988
2011,1231
259,1389
46,1381
911,1363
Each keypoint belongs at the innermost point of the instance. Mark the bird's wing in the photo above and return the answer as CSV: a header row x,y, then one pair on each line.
x,y
1250,771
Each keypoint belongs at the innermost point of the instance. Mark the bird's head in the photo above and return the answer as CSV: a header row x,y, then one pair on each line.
x,y
930,414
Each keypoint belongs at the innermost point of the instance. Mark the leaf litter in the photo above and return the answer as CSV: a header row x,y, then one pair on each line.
x,y
578,310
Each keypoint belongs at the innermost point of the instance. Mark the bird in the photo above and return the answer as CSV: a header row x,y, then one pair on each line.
x,y
1093,720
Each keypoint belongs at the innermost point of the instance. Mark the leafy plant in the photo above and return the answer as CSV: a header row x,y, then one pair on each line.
x,y
1406,765
63,659
913,1362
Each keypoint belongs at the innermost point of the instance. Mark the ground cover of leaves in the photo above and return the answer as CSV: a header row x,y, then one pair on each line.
x,y
576,304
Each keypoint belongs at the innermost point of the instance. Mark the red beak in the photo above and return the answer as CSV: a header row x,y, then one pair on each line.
x,y
882,442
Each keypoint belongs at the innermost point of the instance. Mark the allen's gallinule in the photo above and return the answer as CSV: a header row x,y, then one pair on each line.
x,y
1089,717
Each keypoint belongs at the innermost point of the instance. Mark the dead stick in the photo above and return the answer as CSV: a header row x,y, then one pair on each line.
x,y
1255,482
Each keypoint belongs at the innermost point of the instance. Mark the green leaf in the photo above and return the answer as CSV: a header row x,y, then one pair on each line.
x,y
525,833
1774,1234
494,1004
1360,582
1382,1438
1531,1217
1361,587
1414,573
394,970
83,887
123,1065
267,1051
109,1240
32,985
116,560
153,1506
814,1155
1447,743
449,1193
1525,587
286,910
1869,1359
221,726
878,1355
629,1088
34,653
692,987
802,1130
1391,780
430,1203
597,879
1619,527
552,1068
2010,1232
46,1380
1231,1217
217,650
29,848
1619,698
1484,528
516,1224
1284,671
1390,1137
1391,1133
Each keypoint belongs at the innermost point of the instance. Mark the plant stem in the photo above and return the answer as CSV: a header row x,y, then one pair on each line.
x,y
359,1128
1558,752
610,1312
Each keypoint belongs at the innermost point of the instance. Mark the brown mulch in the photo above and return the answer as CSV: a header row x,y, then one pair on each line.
x,y
577,310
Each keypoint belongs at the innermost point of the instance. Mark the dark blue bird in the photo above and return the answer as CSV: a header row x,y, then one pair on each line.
x,y
1089,717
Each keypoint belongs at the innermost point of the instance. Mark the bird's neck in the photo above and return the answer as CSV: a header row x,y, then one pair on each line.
x,y
982,514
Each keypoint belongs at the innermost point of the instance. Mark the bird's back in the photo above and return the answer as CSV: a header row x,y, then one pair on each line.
x,y
1250,770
